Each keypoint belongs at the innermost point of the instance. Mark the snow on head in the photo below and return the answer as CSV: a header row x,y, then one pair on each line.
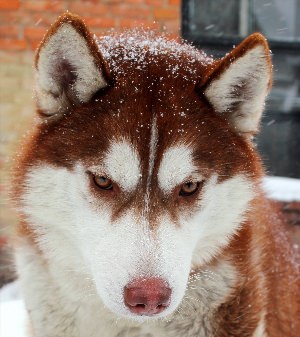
x,y
142,48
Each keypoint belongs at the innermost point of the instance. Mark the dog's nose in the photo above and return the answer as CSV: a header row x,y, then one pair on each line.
x,y
149,296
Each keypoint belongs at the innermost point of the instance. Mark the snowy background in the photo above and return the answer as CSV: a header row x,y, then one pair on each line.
x,y
12,308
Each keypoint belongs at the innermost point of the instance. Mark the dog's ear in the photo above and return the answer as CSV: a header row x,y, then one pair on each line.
x,y
69,66
238,84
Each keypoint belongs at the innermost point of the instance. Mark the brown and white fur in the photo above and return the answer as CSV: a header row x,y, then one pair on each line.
x,y
151,115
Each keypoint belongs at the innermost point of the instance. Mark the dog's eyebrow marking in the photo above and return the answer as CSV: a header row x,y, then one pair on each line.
x,y
122,164
176,166
152,153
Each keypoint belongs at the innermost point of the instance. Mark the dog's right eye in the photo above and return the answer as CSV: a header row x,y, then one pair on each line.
x,y
103,183
189,188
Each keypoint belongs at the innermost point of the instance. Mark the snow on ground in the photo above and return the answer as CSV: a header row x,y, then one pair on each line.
x,y
282,189
13,319
12,309
12,312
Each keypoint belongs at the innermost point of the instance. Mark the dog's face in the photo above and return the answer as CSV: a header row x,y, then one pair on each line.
x,y
141,168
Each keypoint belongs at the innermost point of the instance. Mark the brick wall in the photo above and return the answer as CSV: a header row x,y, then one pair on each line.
x,y
24,22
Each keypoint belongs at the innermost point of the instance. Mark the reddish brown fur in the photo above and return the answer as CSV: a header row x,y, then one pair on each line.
x,y
280,296
83,134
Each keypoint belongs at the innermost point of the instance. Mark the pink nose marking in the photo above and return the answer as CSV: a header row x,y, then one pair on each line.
x,y
149,296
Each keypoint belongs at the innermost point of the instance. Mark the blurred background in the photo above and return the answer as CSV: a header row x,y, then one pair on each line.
x,y
213,25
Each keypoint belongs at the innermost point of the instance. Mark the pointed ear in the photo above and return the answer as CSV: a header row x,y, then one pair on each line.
x,y
69,66
238,84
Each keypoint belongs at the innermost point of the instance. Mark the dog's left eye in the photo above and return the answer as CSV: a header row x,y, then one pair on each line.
x,y
103,183
188,189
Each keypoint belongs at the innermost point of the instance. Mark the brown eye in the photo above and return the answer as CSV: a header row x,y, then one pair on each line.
x,y
188,189
103,183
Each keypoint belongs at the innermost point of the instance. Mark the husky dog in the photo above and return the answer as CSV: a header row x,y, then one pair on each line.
x,y
139,193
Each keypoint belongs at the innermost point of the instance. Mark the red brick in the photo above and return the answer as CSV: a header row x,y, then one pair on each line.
x,y
172,26
166,13
41,19
34,33
12,44
128,23
9,31
87,7
9,4
100,22
175,37
152,24
157,3
130,11
9,18
43,5
99,31
114,1
94,2
135,1
34,44
175,2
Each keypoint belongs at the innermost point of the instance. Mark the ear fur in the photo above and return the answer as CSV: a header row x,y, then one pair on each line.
x,y
238,84
69,66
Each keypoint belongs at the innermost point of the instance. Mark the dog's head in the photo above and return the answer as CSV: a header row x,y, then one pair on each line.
x,y
141,167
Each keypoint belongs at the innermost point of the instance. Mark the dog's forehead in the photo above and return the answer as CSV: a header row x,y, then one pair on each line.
x,y
128,165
